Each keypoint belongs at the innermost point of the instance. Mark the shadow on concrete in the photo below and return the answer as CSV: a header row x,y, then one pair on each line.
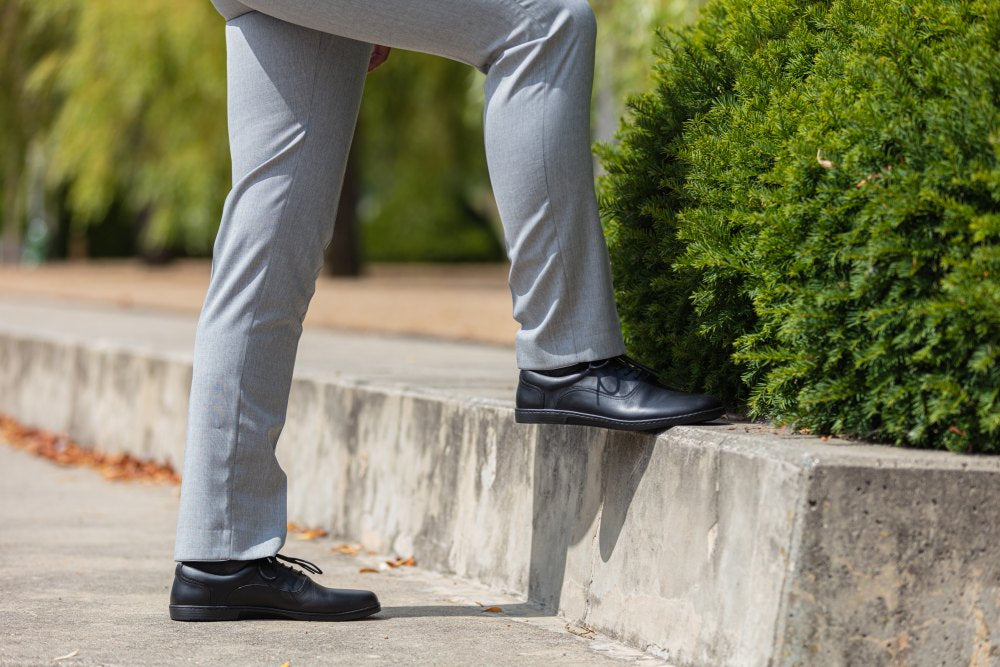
x,y
565,510
517,610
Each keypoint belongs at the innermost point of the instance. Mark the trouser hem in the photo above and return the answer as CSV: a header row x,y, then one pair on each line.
x,y
215,547
593,350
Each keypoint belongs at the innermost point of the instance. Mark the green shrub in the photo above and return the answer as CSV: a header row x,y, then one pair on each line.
x,y
804,216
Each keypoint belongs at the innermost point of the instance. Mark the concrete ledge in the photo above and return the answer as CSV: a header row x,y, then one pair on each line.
x,y
709,545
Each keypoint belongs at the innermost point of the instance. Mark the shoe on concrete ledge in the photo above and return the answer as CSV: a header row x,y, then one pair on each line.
x,y
264,588
618,393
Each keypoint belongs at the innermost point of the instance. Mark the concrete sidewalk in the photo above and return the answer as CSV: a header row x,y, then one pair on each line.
x,y
449,301
86,570
460,370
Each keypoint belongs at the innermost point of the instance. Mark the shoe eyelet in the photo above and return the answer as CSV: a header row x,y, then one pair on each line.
x,y
265,575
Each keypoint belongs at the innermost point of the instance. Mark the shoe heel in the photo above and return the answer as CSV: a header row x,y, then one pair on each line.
x,y
196,613
526,416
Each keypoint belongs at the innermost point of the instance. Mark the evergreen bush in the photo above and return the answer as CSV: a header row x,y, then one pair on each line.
x,y
804,216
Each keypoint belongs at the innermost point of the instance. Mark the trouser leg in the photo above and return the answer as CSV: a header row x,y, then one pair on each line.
x,y
538,57
293,97
293,103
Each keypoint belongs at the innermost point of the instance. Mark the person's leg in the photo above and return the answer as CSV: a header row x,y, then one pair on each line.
x,y
293,102
538,58
293,98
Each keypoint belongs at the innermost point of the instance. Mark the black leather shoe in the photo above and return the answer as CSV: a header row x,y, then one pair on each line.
x,y
264,588
617,393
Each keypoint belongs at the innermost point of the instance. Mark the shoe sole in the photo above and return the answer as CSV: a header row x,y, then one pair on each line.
x,y
227,613
534,416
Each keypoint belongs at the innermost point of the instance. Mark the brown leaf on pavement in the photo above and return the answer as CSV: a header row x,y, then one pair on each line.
x,y
346,549
401,562
59,448
493,610
584,632
311,534
368,570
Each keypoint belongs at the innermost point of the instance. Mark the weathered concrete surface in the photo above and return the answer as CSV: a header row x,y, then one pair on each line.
x,y
86,570
711,545
895,564
121,377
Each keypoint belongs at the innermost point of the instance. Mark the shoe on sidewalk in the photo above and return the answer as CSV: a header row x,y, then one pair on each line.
x,y
264,588
618,393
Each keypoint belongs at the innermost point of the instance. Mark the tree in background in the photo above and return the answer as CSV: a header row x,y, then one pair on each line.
x,y
140,125
25,37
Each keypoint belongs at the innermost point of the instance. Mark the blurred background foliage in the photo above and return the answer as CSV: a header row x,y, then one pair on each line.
x,y
113,130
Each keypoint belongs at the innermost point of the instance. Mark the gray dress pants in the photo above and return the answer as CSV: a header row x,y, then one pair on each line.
x,y
296,69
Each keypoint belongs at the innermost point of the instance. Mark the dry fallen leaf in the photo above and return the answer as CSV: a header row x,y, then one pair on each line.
x,y
311,534
493,610
59,448
580,631
826,164
305,533
348,549
399,562
368,570
867,179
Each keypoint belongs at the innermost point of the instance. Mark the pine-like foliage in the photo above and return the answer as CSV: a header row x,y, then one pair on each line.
x,y
804,216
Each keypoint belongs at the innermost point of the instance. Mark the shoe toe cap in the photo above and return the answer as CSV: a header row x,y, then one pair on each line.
x,y
350,598
706,403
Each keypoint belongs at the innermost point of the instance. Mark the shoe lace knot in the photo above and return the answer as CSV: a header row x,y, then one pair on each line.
x,y
308,566
635,370
626,368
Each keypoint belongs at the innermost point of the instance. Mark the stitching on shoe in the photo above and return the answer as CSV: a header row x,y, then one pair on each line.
x,y
538,391
198,584
606,420
598,393
188,580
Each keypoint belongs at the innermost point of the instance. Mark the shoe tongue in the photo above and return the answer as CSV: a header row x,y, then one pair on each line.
x,y
219,567
566,370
